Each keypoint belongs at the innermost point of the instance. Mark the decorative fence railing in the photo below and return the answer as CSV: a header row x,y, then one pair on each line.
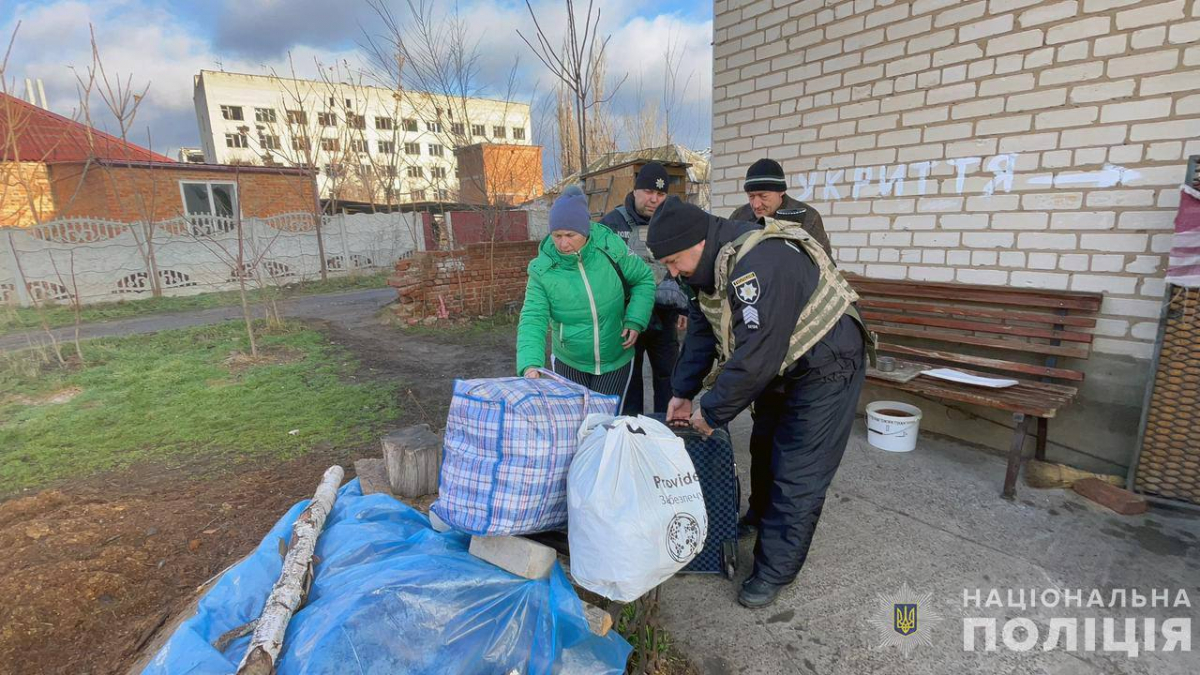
x,y
101,261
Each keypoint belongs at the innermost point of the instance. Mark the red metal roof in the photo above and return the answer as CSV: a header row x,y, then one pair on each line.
x,y
43,136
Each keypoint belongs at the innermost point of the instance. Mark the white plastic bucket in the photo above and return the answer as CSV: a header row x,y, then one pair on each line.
x,y
891,432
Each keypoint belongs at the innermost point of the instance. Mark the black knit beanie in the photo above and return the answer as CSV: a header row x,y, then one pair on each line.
x,y
675,226
765,175
651,177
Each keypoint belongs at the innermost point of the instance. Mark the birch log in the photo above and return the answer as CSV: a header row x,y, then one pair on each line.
x,y
288,593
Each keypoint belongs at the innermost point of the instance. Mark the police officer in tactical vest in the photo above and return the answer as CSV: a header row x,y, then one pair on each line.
x,y
766,193
779,320
660,341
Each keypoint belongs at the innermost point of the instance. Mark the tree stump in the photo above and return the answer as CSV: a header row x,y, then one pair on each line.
x,y
413,457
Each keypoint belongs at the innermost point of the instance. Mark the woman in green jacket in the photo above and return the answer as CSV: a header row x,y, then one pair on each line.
x,y
592,294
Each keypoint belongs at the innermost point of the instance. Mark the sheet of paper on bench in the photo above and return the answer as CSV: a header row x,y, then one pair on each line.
x,y
966,378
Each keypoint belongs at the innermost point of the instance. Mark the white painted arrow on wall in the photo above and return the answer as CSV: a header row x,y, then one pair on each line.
x,y
1108,176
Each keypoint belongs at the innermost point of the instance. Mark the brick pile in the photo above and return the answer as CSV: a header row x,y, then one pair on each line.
x,y
477,280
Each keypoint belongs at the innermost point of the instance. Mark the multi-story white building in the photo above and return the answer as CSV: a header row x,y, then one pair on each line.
x,y
367,143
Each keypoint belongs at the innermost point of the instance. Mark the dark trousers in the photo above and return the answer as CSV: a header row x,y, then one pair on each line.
x,y
659,342
800,432
612,383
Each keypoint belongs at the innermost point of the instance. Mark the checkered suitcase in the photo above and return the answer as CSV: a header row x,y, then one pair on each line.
x,y
713,459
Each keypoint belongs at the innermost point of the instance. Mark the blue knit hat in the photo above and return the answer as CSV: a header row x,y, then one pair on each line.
x,y
570,212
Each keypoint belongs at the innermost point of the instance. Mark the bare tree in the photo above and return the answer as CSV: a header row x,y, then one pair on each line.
x,y
575,65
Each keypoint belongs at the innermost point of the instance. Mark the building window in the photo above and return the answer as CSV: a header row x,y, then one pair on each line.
x,y
412,148
385,123
390,170
264,115
498,132
300,143
327,119
236,141
415,172
478,130
437,172
330,144
458,129
232,112
206,204
358,145
435,127
443,195
435,150
297,117
333,169
349,104
518,133
410,125
387,147
269,141
355,121
332,101
418,195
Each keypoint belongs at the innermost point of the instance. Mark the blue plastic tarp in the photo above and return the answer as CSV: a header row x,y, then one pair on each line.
x,y
391,595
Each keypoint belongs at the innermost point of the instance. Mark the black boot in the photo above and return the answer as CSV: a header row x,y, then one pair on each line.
x,y
757,593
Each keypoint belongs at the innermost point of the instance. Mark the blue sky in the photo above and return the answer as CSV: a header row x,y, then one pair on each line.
x,y
165,43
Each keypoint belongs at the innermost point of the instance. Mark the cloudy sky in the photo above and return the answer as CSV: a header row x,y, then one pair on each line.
x,y
164,43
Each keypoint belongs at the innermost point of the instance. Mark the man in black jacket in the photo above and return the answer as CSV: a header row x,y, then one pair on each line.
x,y
660,340
766,191
804,396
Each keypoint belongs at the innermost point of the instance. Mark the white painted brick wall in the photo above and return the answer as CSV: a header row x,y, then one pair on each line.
x,y
841,91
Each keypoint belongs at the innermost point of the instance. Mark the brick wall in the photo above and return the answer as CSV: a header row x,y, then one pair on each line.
x,y
479,279
1010,142
139,193
25,197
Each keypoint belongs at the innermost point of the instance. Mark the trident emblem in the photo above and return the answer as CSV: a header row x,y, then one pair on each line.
x,y
905,620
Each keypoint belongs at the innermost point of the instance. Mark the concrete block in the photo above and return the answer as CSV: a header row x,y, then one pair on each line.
x,y
520,556
413,457
438,524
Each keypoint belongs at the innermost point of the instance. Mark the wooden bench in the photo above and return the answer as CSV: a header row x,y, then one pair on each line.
x,y
1017,333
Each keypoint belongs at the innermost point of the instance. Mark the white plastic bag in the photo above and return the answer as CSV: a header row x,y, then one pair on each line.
x,y
635,512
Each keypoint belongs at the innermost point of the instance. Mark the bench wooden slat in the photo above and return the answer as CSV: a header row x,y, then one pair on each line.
x,y
984,362
994,295
1011,345
979,326
1031,317
1025,399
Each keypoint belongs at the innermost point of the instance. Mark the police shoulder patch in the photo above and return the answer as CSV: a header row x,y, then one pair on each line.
x,y
747,288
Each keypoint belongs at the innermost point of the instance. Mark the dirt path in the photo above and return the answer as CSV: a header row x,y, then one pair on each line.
x,y
91,570
334,306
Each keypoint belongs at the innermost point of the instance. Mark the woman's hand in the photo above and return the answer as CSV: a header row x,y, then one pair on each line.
x,y
681,322
630,336
532,373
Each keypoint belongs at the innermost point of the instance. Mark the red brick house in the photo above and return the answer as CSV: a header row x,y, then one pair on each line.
x,y
54,167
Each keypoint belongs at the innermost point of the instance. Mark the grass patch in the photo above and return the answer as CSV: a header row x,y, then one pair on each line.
x,y
183,391
16,319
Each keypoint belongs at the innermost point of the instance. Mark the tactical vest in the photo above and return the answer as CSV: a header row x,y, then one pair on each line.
x,y
832,297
